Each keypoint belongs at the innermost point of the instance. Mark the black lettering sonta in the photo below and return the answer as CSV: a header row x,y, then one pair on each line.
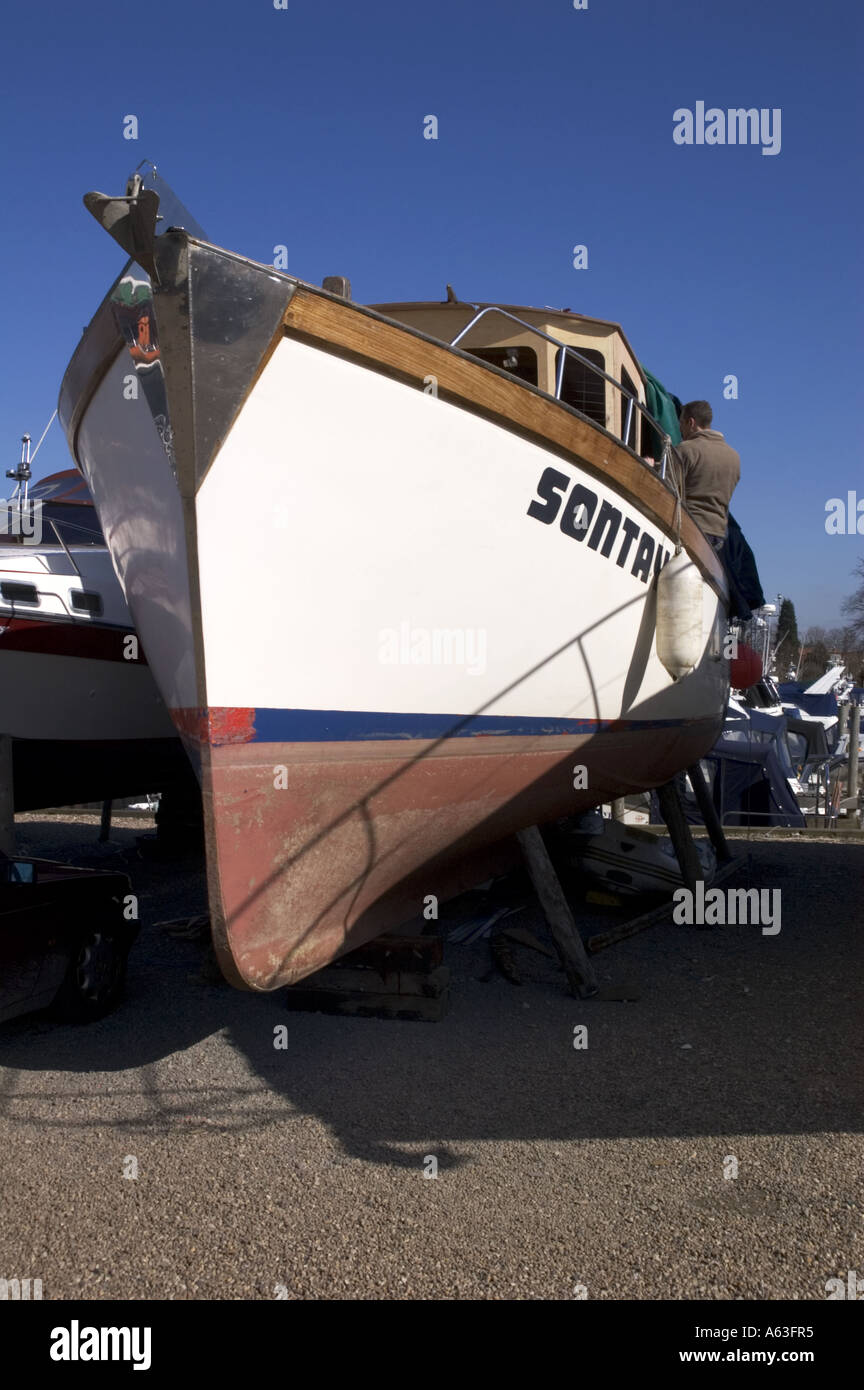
x,y
631,531
660,559
551,483
576,517
644,556
611,517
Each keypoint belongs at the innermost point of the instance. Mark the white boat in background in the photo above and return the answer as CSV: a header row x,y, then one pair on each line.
x,y
76,694
396,573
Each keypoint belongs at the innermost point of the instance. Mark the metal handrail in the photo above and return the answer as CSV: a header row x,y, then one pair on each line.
x,y
559,377
56,529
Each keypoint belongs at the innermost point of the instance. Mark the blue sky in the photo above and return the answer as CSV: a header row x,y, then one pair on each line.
x,y
304,126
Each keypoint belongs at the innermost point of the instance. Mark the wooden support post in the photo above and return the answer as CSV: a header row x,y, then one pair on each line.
x,y
679,832
842,719
7,797
565,934
709,813
105,823
854,737
619,805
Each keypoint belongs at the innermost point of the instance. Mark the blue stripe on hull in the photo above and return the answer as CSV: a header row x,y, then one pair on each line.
x,y
348,726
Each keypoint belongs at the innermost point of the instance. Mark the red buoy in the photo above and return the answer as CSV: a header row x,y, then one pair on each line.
x,y
745,668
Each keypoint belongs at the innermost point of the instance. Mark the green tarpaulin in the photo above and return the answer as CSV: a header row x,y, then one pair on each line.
x,y
665,409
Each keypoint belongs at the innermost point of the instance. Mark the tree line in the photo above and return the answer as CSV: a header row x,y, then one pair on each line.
x,y
821,644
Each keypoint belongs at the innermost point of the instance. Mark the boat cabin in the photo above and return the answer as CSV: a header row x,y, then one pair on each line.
x,y
532,344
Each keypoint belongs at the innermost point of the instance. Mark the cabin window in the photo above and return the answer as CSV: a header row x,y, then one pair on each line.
x,y
582,388
85,601
629,385
652,441
19,593
519,361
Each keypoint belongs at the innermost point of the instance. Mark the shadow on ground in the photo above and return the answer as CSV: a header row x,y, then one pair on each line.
x,y
733,1032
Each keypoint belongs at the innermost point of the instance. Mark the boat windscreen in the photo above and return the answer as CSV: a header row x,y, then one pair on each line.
x,y
172,213
77,524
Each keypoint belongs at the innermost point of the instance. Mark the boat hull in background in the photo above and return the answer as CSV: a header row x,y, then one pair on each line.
x,y
83,729
77,697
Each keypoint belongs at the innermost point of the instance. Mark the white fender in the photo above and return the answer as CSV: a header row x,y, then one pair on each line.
x,y
679,615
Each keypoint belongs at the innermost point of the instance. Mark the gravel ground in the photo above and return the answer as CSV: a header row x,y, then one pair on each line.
x,y
299,1173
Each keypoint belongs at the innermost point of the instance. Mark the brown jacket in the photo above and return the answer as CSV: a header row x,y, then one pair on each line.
x,y
707,471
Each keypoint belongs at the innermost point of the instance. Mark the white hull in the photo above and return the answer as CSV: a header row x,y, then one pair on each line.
x,y
396,517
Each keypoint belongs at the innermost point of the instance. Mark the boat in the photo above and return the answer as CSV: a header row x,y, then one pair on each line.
x,y
751,773
409,578
631,861
768,768
77,696
820,701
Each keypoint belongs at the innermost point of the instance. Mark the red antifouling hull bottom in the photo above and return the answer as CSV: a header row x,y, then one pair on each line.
x,y
315,848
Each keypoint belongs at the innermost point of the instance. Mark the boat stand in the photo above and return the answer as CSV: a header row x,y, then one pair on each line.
x,y
709,815
394,976
562,927
685,851
679,831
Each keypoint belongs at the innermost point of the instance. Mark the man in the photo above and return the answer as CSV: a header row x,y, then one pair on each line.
x,y
706,470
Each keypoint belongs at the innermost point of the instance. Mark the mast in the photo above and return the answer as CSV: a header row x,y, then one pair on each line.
x,y
21,475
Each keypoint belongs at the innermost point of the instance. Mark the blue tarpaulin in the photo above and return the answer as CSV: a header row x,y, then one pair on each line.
x,y
749,767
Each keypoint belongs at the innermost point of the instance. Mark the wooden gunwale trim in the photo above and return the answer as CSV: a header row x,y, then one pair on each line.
x,y
398,351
